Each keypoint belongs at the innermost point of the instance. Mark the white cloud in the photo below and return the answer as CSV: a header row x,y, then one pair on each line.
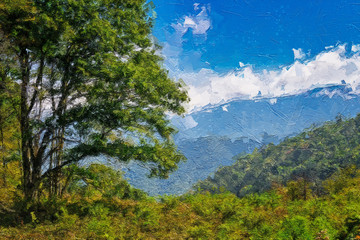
x,y
199,23
202,21
355,48
189,122
327,68
298,54
273,101
189,22
196,6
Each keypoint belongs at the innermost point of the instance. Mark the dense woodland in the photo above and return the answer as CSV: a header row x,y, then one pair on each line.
x,y
311,156
81,79
97,203
84,80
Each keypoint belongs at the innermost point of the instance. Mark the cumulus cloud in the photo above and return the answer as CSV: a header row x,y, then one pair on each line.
x,y
330,67
196,6
199,23
355,48
298,53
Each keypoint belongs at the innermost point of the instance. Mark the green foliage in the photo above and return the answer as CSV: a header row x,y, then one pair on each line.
x,y
94,62
295,228
91,84
304,160
66,220
270,215
97,203
10,172
97,181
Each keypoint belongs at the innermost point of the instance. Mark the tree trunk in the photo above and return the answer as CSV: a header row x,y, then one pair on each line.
x,y
25,126
59,161
3,155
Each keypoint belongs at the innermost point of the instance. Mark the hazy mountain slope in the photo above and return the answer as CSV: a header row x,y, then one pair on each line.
x,y
312,156
208,137
204,155
280,117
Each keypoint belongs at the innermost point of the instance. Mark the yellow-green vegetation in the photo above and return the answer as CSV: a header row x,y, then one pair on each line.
x,y
95,202
98,204
88,82
82,79
311,156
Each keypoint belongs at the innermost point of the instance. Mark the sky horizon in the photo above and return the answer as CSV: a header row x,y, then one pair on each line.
x,y
231,49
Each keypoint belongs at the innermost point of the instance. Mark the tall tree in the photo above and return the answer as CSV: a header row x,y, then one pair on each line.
x,y
91,84
9,103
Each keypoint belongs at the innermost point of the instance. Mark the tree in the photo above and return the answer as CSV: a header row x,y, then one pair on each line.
x,y
91,84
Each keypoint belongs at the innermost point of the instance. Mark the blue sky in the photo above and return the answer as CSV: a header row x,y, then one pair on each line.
x,y
251,49
212,37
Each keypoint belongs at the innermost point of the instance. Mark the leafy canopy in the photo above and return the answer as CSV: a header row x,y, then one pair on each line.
x,y
91,83
311,157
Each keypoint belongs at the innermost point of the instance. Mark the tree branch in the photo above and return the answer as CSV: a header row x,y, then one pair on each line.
x,y
38,82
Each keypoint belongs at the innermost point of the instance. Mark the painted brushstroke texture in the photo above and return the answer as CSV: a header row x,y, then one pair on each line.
x,y
211,137
256,32
256,72
334,66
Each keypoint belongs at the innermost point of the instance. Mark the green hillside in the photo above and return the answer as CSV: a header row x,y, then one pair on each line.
x,y
97,203
83,80
311,156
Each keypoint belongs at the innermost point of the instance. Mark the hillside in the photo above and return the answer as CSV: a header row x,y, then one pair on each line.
x,y
312,156
204,156
280,117
108,208
211,137
97,203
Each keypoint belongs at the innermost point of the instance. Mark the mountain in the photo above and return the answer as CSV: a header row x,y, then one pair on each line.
x,y
211,137
280,117
311,156
204,154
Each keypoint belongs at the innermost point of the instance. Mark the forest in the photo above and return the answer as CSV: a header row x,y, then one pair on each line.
x,y
81,80
312,157
97,203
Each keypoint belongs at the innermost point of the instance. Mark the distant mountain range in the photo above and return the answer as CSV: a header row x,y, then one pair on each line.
x,y
204,154
280,117
308,158
211,137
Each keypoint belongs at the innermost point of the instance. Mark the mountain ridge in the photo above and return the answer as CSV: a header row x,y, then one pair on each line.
x,y
257,121
312,155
